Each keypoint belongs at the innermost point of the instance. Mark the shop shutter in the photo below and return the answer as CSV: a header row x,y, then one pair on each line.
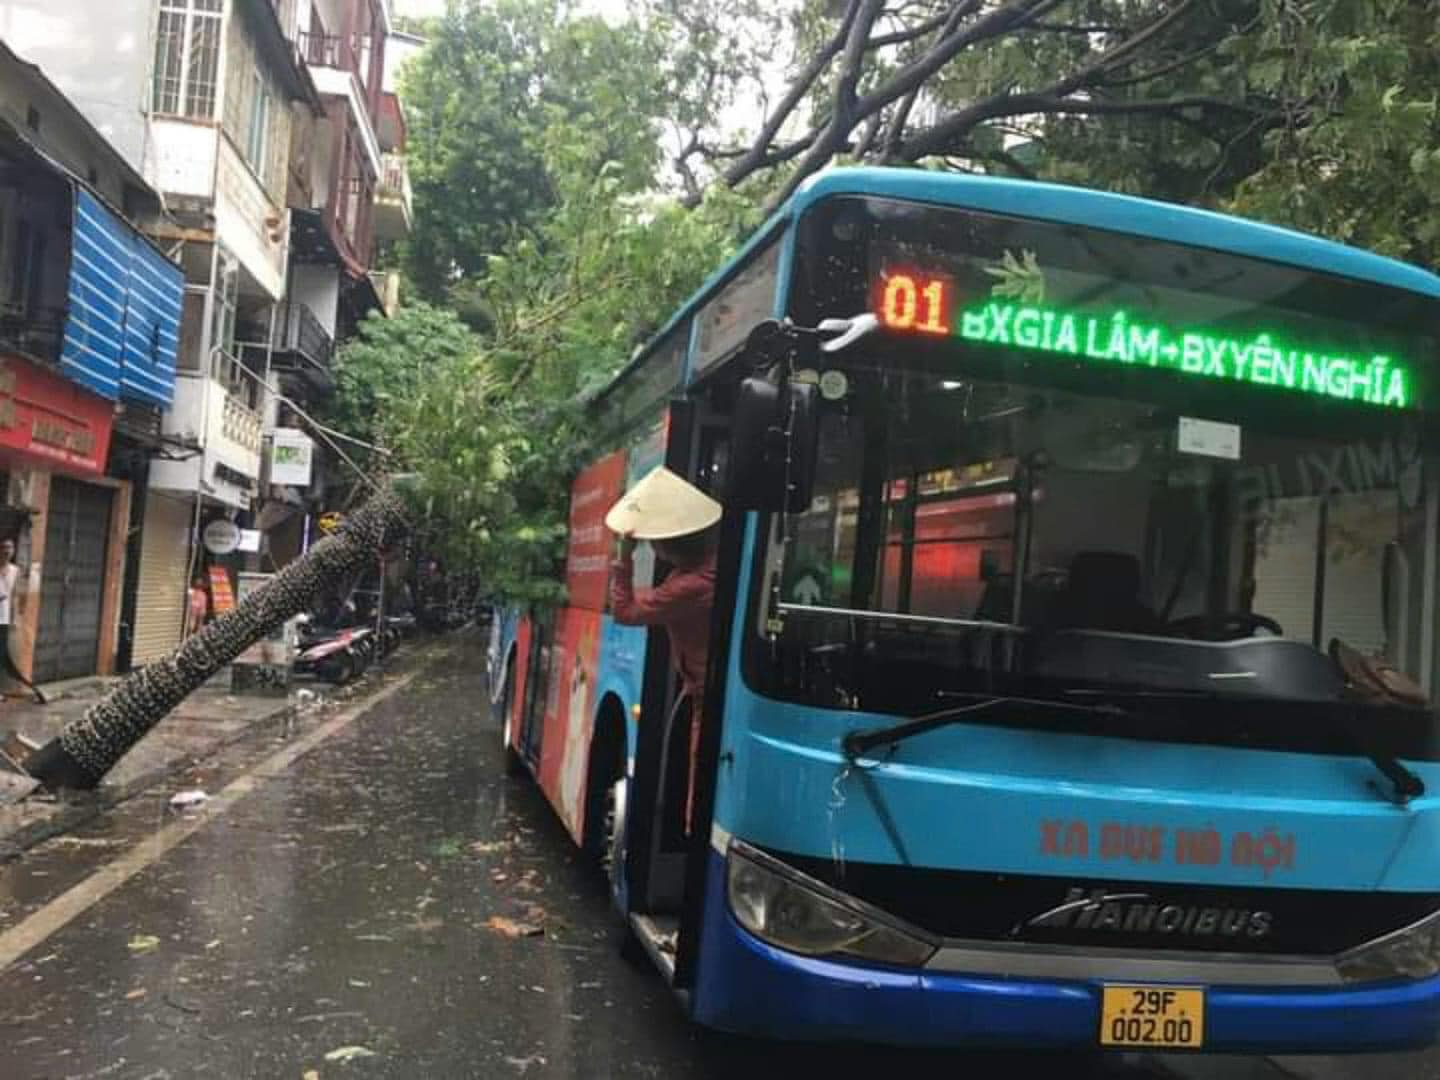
x,y
164,562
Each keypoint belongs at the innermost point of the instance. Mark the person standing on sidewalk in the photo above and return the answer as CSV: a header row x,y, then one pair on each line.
x,y
9,581
198,606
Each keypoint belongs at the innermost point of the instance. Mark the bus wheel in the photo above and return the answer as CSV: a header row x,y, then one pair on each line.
x,y
613,859
605,809
514,764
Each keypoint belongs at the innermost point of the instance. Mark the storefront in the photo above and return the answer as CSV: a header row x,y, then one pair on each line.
x,y
54,440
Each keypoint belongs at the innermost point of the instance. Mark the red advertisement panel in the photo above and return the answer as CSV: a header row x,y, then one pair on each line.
x,y
51,421
587,560
569,715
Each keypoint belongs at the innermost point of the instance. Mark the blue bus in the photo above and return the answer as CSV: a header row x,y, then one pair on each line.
x,y
1075,635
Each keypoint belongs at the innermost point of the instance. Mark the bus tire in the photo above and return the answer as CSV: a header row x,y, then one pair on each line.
x,y
605,789
514,764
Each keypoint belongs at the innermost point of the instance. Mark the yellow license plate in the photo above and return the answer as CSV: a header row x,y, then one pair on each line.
x,y
1170,1016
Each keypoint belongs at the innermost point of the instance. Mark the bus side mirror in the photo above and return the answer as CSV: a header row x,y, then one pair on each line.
x,y
772,446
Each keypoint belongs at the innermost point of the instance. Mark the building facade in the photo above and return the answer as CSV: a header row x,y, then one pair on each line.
x,y
89,336
268,132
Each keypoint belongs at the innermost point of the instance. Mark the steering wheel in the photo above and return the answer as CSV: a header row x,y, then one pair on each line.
x,y
1230,626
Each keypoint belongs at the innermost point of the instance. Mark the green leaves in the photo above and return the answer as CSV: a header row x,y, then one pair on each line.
x,y
509,104
490,423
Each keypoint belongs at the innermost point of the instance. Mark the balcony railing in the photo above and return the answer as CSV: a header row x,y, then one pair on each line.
x,y
393,199
242,387
329,50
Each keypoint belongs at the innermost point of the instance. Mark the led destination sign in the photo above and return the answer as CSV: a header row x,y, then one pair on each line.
x,y
925,305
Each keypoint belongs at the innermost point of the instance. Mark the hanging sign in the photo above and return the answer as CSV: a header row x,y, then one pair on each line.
x,y
221,537
291,455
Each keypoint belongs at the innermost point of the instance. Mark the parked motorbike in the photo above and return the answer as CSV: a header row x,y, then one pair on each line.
x,y
334,654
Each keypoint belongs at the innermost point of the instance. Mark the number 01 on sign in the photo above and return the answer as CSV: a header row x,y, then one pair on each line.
x,y
1154,1016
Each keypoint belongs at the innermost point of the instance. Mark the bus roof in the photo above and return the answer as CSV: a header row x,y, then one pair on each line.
x,y
1120,213
1068,205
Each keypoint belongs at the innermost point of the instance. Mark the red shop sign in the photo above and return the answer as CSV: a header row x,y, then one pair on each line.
x,y
51,420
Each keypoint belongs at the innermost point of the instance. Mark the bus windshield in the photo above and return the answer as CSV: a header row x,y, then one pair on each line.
x,y
1168,533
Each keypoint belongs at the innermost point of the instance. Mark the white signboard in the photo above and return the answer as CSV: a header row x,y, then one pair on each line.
x,y
291,454
221,537
1209,438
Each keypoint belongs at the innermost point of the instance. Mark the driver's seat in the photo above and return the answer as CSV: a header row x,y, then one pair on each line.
x,y
1102,592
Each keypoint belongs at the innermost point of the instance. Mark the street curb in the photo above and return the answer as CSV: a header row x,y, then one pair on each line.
x,y
85,807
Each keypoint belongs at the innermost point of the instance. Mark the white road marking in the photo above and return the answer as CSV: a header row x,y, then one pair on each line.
x,y
32,931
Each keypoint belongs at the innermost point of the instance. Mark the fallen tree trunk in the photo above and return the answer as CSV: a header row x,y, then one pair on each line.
x,y
88,748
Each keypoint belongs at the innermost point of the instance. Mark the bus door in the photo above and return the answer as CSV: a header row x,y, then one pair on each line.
x,y
537,682
660,874
655,835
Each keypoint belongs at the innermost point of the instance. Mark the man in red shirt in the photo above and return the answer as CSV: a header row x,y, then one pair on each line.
x,y
679,521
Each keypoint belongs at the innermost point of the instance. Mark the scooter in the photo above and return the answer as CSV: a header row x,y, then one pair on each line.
x,y
334,655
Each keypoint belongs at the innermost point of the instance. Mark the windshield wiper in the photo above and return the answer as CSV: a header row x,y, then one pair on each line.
x,y
1405,784
860,742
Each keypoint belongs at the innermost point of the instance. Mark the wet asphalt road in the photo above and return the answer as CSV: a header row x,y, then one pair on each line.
x,y
362,903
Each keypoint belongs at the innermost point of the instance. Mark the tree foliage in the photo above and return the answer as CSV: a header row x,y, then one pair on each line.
x,y
491,425
1358,156
945,80
485,99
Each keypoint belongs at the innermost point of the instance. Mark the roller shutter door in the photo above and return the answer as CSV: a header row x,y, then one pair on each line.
x,y
164,562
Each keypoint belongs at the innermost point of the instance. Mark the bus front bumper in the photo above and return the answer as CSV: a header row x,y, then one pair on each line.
x,y
747,986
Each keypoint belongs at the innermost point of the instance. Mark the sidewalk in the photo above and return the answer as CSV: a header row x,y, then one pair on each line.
x,y
209,719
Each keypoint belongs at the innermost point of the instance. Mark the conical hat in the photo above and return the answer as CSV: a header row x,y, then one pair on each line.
x,y
662,506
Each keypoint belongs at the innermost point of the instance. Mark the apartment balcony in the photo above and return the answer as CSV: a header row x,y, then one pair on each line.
x,y
335,51
303,349
218,412
394,213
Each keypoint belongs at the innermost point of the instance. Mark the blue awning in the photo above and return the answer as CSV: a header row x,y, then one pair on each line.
x,y
122,328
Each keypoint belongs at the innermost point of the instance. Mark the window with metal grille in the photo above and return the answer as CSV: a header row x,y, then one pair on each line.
x,y
187,57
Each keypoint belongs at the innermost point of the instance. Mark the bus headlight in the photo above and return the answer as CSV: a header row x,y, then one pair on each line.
x,y
1411,953
787,909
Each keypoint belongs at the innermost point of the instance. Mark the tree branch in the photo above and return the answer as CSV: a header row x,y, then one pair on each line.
x,y
1000,105
939,136
907,103
681,164
844,113
999,21
1183,61
753,158
1077,28
900,37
